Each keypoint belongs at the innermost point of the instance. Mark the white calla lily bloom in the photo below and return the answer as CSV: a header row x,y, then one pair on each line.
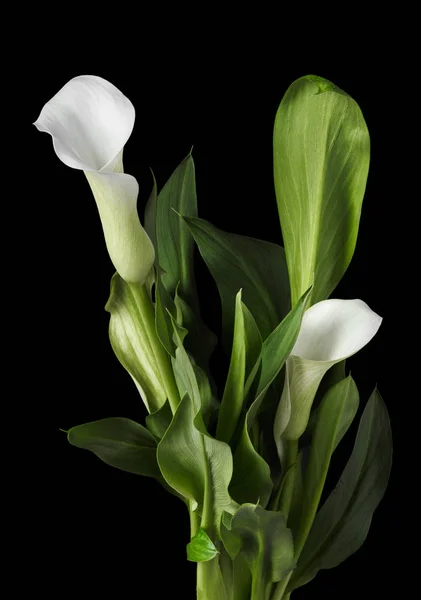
x,y
90,121
331,331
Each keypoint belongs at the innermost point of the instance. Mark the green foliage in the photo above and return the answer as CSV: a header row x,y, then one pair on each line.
x,y
128,331
201,548
265,541
174,247
251,480
196,465
342,524
119,442
245,361
321,153
238,262
159,421
334,417
173,242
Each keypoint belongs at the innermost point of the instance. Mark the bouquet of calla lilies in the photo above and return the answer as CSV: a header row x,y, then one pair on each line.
x,y
250,464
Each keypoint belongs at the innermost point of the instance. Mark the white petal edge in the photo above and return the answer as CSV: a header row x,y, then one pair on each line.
x,y
333,329
90,121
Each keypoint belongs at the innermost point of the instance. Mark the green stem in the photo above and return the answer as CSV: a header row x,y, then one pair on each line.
x,y
288,486
163,360
279,592
194,522
258,588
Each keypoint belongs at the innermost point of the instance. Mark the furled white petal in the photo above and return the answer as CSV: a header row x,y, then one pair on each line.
x,y
89,120
332,330
128,244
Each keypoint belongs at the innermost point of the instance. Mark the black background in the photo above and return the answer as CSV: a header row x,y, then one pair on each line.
x,y
92,529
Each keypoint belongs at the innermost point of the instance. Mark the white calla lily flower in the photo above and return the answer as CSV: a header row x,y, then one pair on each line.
x,y
90,121
331,331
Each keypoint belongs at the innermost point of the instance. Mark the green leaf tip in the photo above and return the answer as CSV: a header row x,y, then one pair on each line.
x,y
324,85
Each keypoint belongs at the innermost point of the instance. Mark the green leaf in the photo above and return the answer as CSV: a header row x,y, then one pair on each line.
x,y
251,481
159,421
164,307
335,415
200,341
183,368
196,465
174,242
201,548
245,360
342,524
174,261
321,160
277,347
238,262
130,341
236,575
119,442
266,542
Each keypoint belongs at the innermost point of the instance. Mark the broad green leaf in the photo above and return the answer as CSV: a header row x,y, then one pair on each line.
x,y
321,160
131,343
335,415
196,465
201,548
238,262
266,542
159,421
342,524
119,442
243,367
174,242
251,481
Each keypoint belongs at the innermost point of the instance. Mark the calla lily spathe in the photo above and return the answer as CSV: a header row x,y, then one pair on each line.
x,y
331,331
90,121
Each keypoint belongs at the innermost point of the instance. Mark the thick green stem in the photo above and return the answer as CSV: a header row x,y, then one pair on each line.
x,y
258,588
288,485
163,360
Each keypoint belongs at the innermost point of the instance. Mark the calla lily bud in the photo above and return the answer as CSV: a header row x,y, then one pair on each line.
x,y
331,331
90,121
